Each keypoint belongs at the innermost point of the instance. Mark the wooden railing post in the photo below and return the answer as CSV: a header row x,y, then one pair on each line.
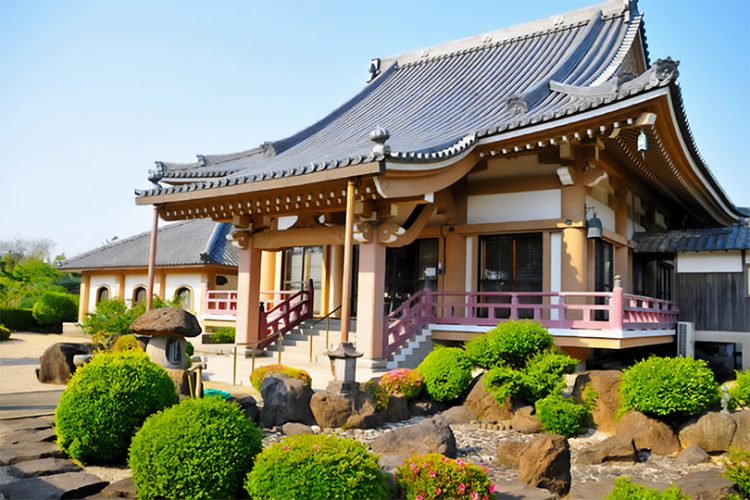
x,y
616,308
514,306
262,322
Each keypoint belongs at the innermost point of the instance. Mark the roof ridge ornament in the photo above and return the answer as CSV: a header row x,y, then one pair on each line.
x,y
517,105
666,68
374,68
268,148
156,174
379,135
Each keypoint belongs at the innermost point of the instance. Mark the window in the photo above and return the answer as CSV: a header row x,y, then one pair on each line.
x,y
184,297
102,294
603,270
409,269
174,351
139,295
663,281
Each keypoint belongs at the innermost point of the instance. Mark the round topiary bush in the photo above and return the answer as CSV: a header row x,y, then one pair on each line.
x,y
256,378
316,466
201,448
446,372
543,375
560,415
402,382
511,343
126,343
669,387
54,308
106,401
436,476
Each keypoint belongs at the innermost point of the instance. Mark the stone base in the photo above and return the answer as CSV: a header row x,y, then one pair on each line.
x,y
340,388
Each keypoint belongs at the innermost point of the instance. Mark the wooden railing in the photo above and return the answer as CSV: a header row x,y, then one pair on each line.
x,y
614,311
285,315
224,302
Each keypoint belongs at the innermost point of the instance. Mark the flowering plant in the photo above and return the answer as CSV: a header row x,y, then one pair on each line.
x,y
402,381
433,475
737,468
256,378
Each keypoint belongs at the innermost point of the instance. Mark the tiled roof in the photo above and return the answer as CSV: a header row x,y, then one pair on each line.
x,y
189,243
736,237
438,102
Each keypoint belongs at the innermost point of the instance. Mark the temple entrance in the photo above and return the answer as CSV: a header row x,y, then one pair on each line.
x,y
300,264
409,269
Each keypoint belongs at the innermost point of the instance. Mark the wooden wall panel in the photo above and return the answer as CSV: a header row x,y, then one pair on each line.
x,y
713,301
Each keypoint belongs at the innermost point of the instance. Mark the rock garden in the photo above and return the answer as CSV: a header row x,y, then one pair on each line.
x,y
503,417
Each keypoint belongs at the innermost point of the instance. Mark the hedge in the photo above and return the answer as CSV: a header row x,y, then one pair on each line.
x,y
20,320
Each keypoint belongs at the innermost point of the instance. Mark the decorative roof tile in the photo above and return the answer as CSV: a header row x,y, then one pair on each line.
x,y
735,237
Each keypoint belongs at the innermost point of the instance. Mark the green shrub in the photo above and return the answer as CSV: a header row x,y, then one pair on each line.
x,y
446,372
402,382
256,378
20,320
511,343
112,317
737,469
560,415
201,448
671,388
542,375
125,343
376,393
105,402
436,476
223,335
54,308
625,489
740,391
4,333
316,466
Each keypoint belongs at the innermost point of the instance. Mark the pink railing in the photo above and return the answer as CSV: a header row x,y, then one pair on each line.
x,y
285,315
221,302
574,310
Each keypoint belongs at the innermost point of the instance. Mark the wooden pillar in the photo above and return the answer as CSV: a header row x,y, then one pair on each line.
x,y
152,260
622,253
267,275
574,244
162,284
120,286
337,277
454,267
347,278
83,299
248,293
370,303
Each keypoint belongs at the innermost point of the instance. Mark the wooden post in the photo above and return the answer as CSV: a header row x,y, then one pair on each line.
x,y
347,278
152,260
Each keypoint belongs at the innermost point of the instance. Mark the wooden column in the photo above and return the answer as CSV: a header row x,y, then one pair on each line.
x,y
83,299
347,278
370,303
267,275
455,266
152,260
120,286
248,293
574,243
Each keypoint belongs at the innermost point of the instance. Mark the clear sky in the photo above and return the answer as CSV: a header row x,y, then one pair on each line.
x,y
92,92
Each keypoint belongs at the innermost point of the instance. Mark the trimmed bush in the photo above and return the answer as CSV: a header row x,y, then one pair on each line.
x,y
376,393
542,375
436,476
20,320
740,391
402,382
669,387
4,333
511,343
446,372
560,415
201,448
625,489
737,469
316,466
125,343
54,308
223,335
256,378
112,317
105,402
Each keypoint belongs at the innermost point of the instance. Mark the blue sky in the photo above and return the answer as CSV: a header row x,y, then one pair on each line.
x,y
91,93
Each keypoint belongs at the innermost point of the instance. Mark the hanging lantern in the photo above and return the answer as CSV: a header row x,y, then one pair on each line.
x,y
642,143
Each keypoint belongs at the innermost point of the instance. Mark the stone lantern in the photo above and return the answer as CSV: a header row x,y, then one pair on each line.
x,y
344,361
167,328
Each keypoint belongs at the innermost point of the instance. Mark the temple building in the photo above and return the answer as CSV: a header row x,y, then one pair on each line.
x,y
502,176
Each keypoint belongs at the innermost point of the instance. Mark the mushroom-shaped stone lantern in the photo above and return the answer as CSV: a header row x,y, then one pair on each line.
x,y
168,328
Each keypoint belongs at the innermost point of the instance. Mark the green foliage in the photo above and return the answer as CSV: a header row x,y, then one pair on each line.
x,y
737,469
376,393
25,276
625,489
201,448
20,320
106,401
542,375
436,476
112,318
402,382
316,466
560,415
740,391
125,343
511,343
671,388
54,308
256,378
4,332
223,335
446,372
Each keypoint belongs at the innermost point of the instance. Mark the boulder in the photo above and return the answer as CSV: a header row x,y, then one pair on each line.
x,y
425,406
693,455
330,409
250,407
44,467
606,383
285,399
713,432
432,435
65,485
483,404
524,422
397,410
508,453
545,463
293,429
647,433
364,414
706,485
124,488
587,490
742,434
612,449
166,320
459,415
56,363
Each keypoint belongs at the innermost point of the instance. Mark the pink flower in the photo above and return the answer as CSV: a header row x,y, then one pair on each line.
x,y
474,495
461,487
316,447
419,497
438,491
285,448
432,473
492,488
414,469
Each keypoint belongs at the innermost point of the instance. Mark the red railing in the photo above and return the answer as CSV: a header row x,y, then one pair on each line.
x,y
221,302
614,311
285,315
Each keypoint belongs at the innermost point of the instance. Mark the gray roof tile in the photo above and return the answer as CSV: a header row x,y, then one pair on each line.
x,y
736,237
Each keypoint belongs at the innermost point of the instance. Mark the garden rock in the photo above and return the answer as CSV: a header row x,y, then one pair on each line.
x,y
166,320
545,463
459,415
425,406
397,410
612,449
56,363
66,485
285,399
432,435
25,424
483,404
742,434
647,433
364,413
606,383
44,467
32,436
586,490
706,485
250,407
713,432
524,422
330,410
23,452
181,381
293,429
124,488
693,455
508,453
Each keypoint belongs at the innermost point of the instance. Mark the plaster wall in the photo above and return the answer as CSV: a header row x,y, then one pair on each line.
x,y
555,282
178,280
709,262
510,207
97,281
605,214
131,282
231,283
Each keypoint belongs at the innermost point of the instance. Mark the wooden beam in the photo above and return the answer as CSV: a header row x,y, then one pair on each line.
x,y
303,237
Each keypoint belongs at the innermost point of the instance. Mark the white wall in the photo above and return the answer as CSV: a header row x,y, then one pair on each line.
x,y
509,207
231,283
99,281
605,214
178,280
709,262
634,228
131,282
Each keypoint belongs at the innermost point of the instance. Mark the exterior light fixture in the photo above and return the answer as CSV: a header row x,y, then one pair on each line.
x,y
593,225
642,143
